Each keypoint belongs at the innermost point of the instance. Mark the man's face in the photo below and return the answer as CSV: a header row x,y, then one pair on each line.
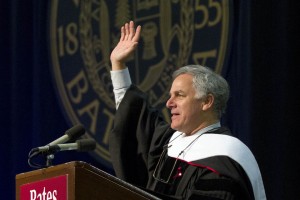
x,y
186,110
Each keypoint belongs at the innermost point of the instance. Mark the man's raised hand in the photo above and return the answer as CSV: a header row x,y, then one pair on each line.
x,y
126,45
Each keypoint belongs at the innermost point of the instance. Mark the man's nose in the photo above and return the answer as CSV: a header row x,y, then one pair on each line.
x,y
170,103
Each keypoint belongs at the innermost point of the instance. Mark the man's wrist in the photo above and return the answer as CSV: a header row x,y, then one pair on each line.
x,y
117,65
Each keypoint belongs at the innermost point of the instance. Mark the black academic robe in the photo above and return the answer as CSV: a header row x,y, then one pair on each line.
x,y
136,144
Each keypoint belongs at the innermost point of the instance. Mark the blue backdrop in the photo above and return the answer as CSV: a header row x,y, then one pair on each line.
x,y
262,111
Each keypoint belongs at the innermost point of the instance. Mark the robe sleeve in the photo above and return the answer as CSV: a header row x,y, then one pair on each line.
x,y
137,126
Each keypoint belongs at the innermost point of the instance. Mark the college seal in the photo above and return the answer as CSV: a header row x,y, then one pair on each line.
x,y
174,33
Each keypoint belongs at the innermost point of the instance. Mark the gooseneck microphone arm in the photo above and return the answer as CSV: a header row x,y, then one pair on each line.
x,y
71,134
79,145
58,145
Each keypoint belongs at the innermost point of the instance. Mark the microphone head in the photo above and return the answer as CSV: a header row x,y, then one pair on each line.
x,y
86,144
75,132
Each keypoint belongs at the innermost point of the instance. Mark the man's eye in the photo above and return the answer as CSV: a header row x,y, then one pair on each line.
x,y
177,94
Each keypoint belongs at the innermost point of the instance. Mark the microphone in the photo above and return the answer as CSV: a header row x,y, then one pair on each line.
x,y
57,145
79,145
71,134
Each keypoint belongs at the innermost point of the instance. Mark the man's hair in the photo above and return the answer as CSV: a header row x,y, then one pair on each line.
x,y
206,81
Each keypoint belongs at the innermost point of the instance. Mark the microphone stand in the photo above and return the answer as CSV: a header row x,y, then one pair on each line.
x,y
48,155
49,151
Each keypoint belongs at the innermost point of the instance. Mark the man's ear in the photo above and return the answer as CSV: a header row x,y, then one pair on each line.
x,y
207,102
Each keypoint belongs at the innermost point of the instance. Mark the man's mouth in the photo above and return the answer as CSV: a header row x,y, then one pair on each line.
x,y
174,115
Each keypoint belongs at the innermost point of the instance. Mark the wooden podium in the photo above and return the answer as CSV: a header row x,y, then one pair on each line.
x,y
75,180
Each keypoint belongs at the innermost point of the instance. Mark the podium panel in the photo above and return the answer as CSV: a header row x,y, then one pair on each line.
x,y
75,180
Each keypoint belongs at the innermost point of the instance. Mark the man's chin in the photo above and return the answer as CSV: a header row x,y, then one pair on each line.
x,y
175,127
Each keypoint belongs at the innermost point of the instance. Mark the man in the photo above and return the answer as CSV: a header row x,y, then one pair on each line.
x,y
194,157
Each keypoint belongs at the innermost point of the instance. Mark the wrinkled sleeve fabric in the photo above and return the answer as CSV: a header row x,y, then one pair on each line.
x,y
121,82
137,126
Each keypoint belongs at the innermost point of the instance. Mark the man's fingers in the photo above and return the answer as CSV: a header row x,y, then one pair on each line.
x,y
122,33
129,33
131,30
137,34
126,31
